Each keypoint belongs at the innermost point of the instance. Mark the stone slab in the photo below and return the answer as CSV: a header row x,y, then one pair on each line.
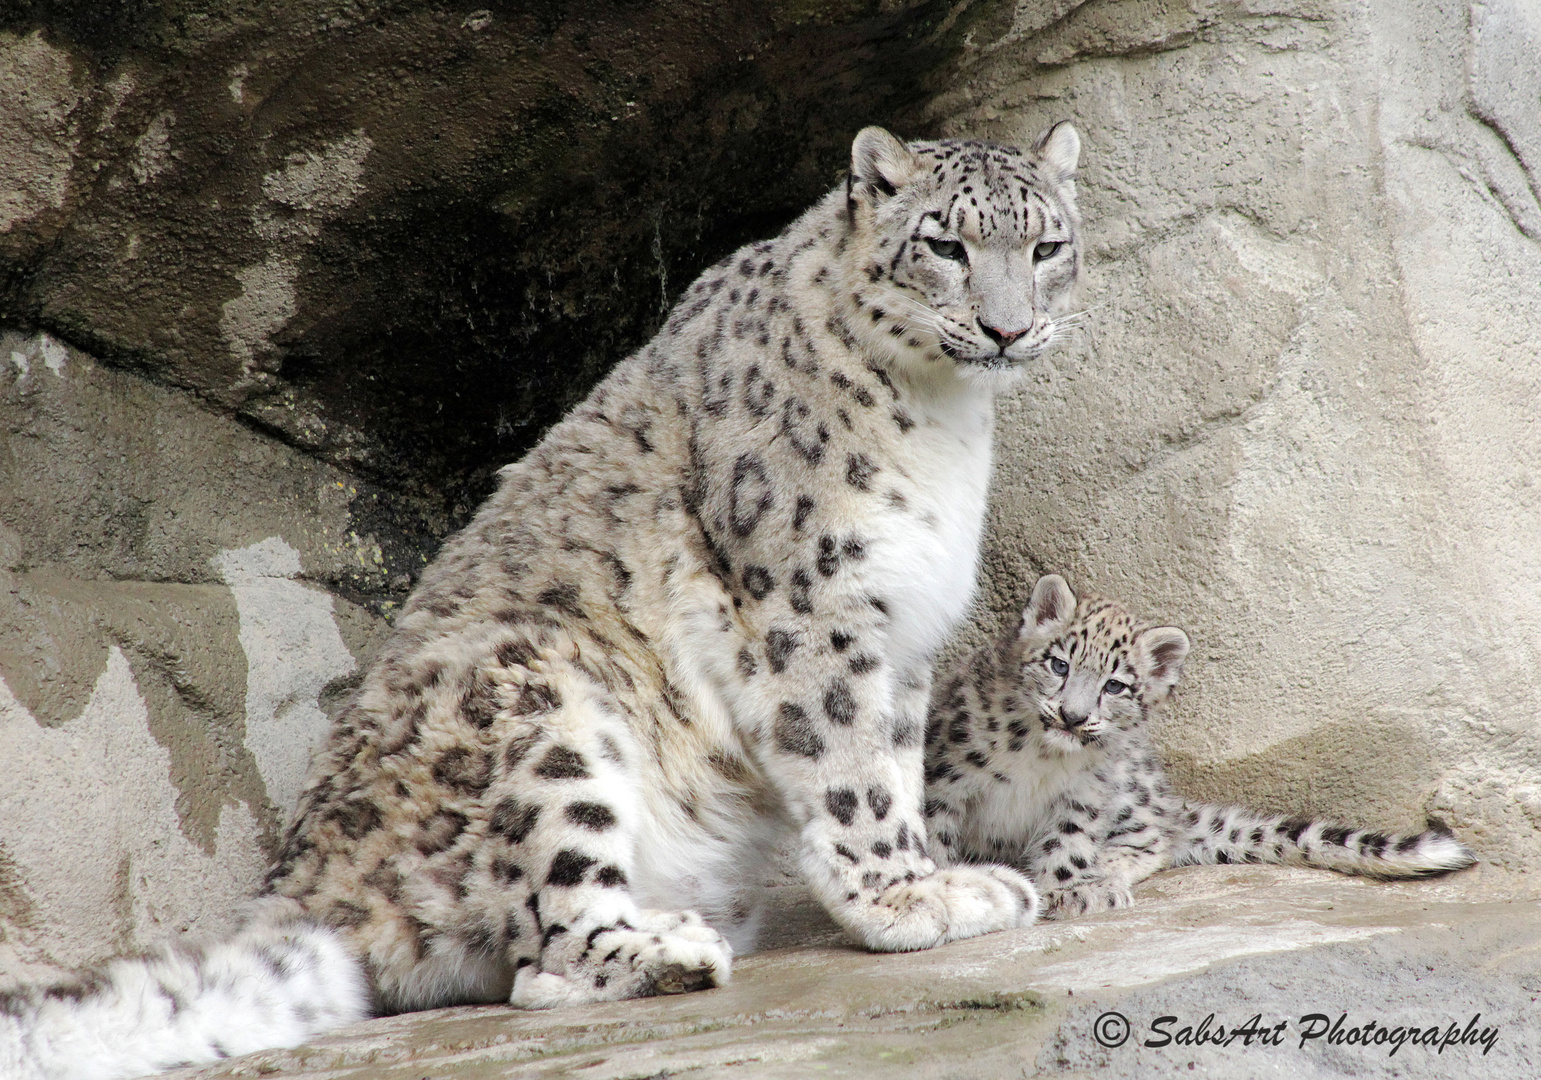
x,y
1230,940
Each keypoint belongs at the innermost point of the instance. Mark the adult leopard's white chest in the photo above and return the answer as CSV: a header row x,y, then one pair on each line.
x,y
929,545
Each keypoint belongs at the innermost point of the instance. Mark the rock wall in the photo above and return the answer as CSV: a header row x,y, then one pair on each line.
x,y
166,653
278,296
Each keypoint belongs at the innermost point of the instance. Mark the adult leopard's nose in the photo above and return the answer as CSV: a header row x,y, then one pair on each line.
x,y
1002,338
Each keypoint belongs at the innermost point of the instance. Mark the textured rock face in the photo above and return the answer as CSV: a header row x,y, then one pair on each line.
x,y
278,294
165,661
406,237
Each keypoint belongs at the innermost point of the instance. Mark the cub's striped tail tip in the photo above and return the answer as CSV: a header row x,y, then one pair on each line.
x,y
1229,834
1432,853
267,987
1379,855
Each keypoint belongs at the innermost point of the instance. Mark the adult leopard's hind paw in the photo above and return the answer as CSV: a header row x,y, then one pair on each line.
x,y
671,953
1084,900
948,905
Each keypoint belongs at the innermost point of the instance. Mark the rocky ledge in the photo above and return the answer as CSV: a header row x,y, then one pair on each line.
x,y
1234,942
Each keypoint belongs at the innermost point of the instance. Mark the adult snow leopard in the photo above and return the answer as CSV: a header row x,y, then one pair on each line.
x,y
700,613
1037,755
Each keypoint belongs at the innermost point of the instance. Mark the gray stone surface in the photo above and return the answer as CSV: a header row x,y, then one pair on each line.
x,y
171,630
1235,941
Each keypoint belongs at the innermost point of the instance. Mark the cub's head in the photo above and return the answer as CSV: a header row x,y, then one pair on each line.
x,y
964,250
1087,668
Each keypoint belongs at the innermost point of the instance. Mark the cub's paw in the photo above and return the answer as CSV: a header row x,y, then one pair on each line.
x,y
1085,899
673,953
959,902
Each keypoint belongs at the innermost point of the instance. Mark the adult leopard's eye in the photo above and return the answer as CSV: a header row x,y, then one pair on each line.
x,y
1113,686
1046,250
1058,666
948,249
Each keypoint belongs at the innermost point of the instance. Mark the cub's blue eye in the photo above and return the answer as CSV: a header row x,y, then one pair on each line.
x,y
1113,686
1058,666
1047,250
949,249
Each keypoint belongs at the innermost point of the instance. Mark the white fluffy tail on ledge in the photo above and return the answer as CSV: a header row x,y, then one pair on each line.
x,y
266,987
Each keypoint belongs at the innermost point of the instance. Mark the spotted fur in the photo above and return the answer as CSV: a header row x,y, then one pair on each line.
x,y
700,614
1037,755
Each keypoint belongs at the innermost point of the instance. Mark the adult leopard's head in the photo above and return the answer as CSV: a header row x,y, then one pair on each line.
x,y
965,250
1088,668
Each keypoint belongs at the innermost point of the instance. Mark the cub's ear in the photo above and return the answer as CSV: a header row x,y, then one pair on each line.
x,y
881,162
1049,608
1059,148
1158,656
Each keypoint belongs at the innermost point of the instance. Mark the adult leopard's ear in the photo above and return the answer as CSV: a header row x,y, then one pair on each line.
x,y
1059,148
1158,657
1049,608
881,162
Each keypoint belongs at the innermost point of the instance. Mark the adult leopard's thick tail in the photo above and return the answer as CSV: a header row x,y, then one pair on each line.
x,y
1229,834
265,987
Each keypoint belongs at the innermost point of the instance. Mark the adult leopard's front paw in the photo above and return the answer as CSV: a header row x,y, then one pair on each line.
x,y
959,902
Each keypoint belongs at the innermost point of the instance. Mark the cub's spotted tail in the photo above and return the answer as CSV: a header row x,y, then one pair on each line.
x,y
1228,834
266,987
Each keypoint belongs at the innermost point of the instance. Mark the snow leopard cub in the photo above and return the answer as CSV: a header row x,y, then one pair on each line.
x,y
1037,755
699,615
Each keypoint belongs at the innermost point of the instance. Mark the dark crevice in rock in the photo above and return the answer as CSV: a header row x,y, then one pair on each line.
x,y
529,193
